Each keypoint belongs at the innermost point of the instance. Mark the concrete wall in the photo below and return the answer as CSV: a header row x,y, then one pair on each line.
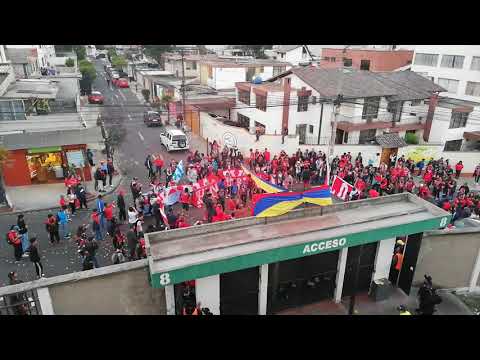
x,y
448,257
225,78
440,131
123,293
208,293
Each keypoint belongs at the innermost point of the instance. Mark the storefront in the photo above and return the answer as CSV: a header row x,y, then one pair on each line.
x,y
45,165
264,266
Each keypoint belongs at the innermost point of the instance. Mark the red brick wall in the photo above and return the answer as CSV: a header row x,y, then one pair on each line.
x,y
15,169
379,60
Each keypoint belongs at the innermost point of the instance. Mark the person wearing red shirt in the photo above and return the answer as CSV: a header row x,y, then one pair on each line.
x,y
185,199
458,169
266,155
231,205
423,192
427,177
383,185
409,185
373,193
447,206
158,162
13,238
62,201
360,185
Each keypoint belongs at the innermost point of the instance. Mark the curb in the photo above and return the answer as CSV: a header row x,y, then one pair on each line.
x,y
14,212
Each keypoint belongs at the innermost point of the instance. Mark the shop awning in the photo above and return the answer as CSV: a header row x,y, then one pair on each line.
x,y
45,150
471,135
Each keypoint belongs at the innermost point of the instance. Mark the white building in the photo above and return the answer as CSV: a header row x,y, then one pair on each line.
x,y
223,73
44,53
457,69
375,103
3,58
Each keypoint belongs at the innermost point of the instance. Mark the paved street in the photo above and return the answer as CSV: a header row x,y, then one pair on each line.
x,y
122,108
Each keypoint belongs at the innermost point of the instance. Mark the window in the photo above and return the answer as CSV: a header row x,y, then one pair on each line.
x,y
426,59
261,102
475,63
370,108
395,108
310,129
365,65
302,103
332,59
458,120
473,88
194,65
244,96
12,110
243,121
347,62
452,61
367,136
453,145
250,73
416,102
277,70
449,84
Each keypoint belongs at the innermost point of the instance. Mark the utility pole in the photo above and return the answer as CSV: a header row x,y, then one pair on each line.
x,y
183,87
336,107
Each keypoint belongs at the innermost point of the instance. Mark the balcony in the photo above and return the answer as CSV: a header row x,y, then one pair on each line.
x,y
381,121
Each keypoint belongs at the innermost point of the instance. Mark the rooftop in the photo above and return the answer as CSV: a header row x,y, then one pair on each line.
x,y
21,56
29,140
352,84
211,249
231,63
155,73
32,88
286,48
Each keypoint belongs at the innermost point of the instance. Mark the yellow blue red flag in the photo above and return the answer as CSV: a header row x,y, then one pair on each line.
x,y
268,205
264,185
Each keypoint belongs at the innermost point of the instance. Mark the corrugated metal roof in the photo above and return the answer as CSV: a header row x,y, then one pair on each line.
x,y
389,141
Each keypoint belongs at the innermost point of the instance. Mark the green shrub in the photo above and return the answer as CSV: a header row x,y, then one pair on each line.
x,y
411,139
70,62
146,94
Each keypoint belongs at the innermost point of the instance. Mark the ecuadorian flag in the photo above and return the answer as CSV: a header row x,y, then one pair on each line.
x,y
264,185
267,205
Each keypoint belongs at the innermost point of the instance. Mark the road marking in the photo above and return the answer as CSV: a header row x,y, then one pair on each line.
x,y
141,136
129,117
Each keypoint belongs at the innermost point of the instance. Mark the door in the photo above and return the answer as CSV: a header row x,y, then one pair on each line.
x,y
302,132
410,257
386,153
298,282
367,265
239,292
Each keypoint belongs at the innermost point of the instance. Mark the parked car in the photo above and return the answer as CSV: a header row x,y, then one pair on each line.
x,y
174,139
122,83
101,56
95,97
152,118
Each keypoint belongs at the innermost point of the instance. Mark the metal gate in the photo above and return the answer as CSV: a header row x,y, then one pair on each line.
x,y
367,265
22,303
298,282
239,292
410,256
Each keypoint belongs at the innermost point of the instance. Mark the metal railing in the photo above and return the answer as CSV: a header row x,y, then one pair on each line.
x,y
21,303
360,119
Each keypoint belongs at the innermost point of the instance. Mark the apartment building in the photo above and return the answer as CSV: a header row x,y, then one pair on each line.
x,y
456,68
374,103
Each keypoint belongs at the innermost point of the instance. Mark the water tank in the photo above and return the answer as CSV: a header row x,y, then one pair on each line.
x,y
257,80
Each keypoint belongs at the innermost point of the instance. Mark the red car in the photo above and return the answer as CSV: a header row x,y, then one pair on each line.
x,y
96,97
122,83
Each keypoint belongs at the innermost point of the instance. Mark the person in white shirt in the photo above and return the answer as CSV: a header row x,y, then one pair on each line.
x,y
132,215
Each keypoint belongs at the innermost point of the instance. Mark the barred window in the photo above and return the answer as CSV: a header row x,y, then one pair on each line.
x,y
302,103
426,59
458,120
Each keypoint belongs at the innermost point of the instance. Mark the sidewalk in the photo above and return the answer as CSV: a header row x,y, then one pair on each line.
x,y
46,196
450,305
138,93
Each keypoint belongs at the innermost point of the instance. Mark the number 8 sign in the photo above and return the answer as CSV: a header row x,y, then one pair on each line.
x,y
443,222
165,279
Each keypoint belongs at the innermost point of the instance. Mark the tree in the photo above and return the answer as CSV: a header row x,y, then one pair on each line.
x,y
70,62
411,138
111,53
258,51
156,51
146,94
87,69
118,61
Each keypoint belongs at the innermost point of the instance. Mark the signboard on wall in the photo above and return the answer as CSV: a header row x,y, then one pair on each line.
x,y
76,158
417,153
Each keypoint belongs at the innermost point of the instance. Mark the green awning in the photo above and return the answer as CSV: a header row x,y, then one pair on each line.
x,y
45,150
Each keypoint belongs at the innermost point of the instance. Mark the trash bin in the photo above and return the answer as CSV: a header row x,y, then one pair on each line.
x,y
380,289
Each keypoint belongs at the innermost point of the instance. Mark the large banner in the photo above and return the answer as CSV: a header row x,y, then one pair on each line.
x,y
417,153
340,188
